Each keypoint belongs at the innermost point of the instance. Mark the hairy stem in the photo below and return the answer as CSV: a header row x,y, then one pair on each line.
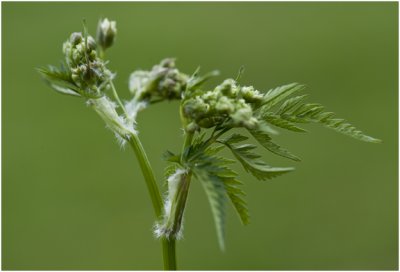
x,y
168,246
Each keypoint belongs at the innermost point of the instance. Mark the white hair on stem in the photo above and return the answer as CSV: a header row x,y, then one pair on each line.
x,y
166,227
116,123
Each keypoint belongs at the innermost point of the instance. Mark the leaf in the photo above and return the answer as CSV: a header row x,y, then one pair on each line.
x,y
216,194
265,140
171,157
277,121
235,138
214,172
293,110
63,90
59,80
236,196
274,96
311,112
195,81
218,167
290,103
253,165
341,126
55,73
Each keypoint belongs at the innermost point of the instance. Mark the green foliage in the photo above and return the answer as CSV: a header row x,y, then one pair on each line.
x,y
216,195
276,108
226,107
266,141
278,121
251,161
219,183
59,79
293,110
274,96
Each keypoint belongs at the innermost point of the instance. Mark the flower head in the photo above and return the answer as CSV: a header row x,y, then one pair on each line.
x,y
88,72
227,103
163,82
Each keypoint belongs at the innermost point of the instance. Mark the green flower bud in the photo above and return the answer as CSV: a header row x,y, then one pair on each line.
x,y
250,95
224,105
106,32
164,81
75,38
91,44
243,116
192,127
228,88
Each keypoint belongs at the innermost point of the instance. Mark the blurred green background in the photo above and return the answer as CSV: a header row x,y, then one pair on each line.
x,y
71,199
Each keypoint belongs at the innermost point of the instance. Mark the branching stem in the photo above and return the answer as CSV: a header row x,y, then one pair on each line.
x,y
168,246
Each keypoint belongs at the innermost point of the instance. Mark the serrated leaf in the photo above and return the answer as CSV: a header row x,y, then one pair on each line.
x,y
277,121
345,128
63,90
274,96
263,126
236,196
290,103
266,141
216,169
171,157
235,138
253,165
59,80
169,170
216,194
311,112
55,73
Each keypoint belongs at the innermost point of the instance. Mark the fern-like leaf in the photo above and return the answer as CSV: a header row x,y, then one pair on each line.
x,y
219,181
252,164
59,80
274,96
216,195
277,121
311,112
236,195
293,110
265,140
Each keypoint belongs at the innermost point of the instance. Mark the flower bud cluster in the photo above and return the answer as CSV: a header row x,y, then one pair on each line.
x,y
88,71
164,81
227,102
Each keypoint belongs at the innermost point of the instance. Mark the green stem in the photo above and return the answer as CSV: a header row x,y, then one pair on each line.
x,y
168,246
148,174
169,254
115,94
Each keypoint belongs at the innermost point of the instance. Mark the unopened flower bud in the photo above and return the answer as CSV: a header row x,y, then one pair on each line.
x,y
91,43
224,105
106,32
164,81
75,38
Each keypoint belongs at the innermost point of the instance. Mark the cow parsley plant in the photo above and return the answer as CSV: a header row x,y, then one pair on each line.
x,y
210,120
